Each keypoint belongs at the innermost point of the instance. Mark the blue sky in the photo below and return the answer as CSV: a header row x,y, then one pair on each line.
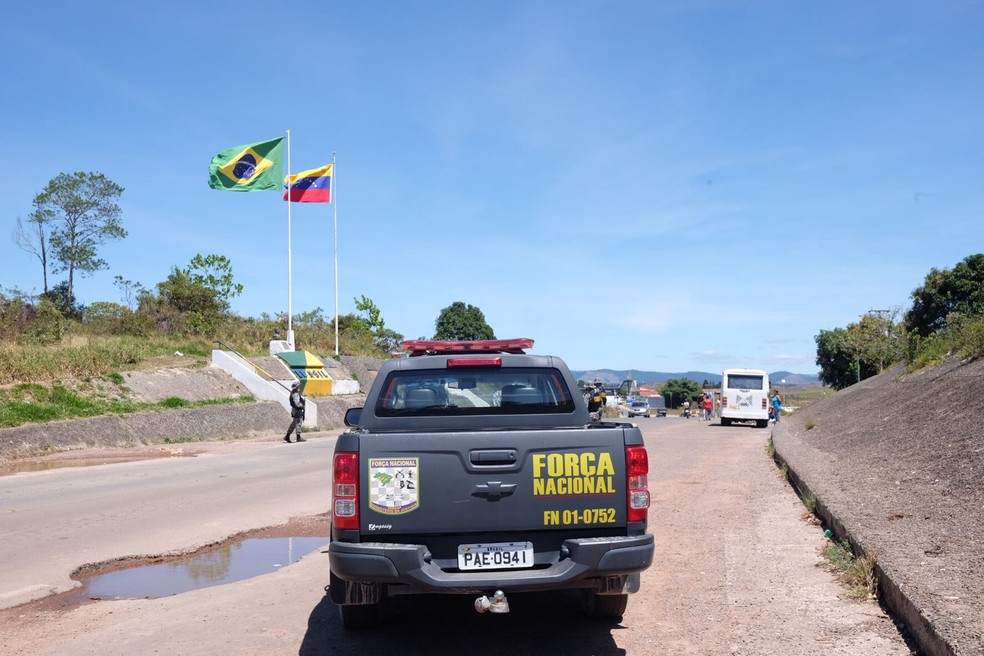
x,y
663,186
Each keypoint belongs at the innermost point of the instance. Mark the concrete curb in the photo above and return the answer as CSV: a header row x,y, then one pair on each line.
x,y
918,627
160,427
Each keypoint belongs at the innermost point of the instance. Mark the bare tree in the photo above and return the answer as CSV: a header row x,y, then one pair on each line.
x,y
33,238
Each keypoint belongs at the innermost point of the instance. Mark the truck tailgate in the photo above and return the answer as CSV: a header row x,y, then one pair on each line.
x,y
470,481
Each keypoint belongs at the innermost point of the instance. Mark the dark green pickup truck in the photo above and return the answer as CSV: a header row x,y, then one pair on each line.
x,y
473,469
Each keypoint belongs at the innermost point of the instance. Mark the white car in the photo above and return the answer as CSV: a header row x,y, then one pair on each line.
x,y
638,409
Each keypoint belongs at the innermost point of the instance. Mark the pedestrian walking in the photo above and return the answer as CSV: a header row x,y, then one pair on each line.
x,y
776,406
708,406
296,412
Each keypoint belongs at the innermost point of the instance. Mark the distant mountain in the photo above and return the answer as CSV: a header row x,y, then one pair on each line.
x,y
615,376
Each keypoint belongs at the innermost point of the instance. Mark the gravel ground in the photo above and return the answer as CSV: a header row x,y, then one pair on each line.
x,y
896,463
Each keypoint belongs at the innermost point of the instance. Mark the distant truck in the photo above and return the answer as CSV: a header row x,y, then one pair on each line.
x,y
657,405
745,396
473,469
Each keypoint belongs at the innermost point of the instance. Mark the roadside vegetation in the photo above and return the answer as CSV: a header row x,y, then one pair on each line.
x,y
26,403
60,359
856,573
946,319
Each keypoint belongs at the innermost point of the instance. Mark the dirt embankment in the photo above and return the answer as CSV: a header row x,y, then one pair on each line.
x,y
896,464
230,421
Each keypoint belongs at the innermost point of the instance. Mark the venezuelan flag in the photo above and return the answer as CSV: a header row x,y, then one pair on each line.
x,y
312,186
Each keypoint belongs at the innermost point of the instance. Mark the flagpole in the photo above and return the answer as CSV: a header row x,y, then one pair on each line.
x,y
290,307
334,204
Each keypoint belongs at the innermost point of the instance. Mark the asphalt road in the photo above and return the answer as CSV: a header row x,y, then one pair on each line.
x,y
736,568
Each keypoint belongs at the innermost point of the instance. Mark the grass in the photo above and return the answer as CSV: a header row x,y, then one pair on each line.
x,y
800,396
810,502
27,403
181,440
857,573
83,356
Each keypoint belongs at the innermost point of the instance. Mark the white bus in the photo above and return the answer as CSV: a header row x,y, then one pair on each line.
x,y
745,396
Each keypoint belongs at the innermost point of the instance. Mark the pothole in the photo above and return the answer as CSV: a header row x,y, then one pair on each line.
x,y
115,456
241,557
230,562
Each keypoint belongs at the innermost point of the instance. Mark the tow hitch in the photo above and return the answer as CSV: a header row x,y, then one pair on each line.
x,y
497,604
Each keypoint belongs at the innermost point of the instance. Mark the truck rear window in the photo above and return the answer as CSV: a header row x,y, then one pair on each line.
x,y
474,391
744,381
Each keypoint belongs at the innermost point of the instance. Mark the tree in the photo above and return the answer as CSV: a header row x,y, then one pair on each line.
x,y
372,319
679,390
64,301
863,349
130,291
837,358
198,294
877,341
958,291
386,340
459,321
82,212
214,272
34,239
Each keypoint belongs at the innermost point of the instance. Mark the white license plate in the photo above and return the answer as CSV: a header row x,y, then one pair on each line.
x,y
497,555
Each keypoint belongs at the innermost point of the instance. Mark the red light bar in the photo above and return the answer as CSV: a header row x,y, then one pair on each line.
x,y
434,347
474,362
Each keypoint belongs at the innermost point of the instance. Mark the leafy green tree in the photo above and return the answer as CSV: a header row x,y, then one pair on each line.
x,y
837,358
371,318
194,299
678,390
386,340
80,213
63,299
182,293
877,341
214,272
947,295
459,321
861,350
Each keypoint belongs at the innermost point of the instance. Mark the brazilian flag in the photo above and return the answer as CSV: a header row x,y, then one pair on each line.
x,y
253,167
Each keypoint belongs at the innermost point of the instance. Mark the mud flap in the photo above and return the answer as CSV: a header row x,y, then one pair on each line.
x,y
353,593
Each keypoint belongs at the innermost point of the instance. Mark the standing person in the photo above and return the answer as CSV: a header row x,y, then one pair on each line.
x,y
708,406
776,406
296,412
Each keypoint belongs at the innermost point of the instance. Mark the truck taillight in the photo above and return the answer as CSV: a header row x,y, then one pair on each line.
x,y
724,402
764,404
345,490
637,471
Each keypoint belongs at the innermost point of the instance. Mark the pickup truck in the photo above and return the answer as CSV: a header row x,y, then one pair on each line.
x,y
473,469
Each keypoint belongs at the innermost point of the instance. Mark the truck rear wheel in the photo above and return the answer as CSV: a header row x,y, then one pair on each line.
x,y
604,606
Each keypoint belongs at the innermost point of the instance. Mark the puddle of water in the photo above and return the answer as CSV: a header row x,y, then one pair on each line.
x,y
22,466
229,563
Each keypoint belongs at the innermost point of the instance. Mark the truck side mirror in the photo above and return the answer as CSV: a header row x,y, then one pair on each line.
x,y
352,417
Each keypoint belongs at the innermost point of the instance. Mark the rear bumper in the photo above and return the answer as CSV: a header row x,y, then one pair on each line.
x,y
584,561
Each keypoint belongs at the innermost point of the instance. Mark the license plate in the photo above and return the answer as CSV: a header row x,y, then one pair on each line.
x,y
497,555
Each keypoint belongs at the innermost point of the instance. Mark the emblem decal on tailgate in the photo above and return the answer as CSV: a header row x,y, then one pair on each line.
x,y
393,485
